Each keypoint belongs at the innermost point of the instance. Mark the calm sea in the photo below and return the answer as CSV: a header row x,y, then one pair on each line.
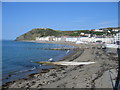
x,y
18,58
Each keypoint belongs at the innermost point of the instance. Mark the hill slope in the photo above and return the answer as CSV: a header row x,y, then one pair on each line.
x,y
39,32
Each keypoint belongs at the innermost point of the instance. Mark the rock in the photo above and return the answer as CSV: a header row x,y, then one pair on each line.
x,y
36,75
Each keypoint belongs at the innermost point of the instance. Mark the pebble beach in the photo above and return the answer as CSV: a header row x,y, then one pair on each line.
x,y
95,75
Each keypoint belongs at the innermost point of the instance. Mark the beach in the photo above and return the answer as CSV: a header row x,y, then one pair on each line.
x,y
82,76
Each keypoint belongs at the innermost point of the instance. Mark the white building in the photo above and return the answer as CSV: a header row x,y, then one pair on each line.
x,y
93,39
115,29
97,30
106,40
80,39
48,38
57,39
84,39
71,39
63,39
117,37
82,33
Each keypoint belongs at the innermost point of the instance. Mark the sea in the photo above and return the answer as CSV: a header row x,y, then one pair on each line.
x,y
18,58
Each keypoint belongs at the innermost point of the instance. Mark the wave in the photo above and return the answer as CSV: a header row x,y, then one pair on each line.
x,y
23,71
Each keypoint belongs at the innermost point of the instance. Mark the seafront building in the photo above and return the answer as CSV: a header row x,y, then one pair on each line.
x,y
117,37
116,42
94,39
48,38
75,39
57,39
72,39
88,39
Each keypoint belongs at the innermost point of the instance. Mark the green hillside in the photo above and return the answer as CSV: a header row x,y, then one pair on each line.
x,y
39,32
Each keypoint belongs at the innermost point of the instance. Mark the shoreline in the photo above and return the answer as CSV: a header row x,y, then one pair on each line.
x,y
71,53
58,74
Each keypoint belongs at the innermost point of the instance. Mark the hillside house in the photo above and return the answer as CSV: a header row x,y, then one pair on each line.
x,y
97,30
116,29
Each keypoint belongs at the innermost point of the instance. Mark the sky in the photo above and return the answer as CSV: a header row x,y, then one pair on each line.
x,y
21,17
60,0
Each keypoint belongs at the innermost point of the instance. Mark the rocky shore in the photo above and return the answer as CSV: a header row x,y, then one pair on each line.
x,y
82,76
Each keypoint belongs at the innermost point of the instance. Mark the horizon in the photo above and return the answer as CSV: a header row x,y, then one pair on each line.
x,y
21,17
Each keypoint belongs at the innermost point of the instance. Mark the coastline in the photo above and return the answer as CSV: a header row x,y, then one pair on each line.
x,y
70,76
57,58
25,73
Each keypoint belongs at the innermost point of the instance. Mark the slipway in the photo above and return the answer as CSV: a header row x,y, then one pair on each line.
x,y
65,63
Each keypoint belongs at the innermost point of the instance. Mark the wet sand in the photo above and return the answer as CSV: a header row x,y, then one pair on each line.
x,y
82,76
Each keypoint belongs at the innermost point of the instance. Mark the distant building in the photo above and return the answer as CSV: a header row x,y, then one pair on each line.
x,y
97,30
82,33
81,39
117,38
48,38
63,39
71,39
116,29
57,39
94,39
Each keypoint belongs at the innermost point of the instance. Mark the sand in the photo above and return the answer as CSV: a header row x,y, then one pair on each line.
x,y
81,76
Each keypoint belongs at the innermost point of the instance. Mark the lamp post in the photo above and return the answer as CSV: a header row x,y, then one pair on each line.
x,y
117,83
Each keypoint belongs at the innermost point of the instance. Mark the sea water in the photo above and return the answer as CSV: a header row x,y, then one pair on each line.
x,y
18,58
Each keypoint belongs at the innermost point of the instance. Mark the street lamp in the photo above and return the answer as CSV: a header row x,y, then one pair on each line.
x,y
117,83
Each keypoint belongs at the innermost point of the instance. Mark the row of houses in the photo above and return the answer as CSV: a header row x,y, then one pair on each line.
x,y
76,39
82,39
52,38
101,30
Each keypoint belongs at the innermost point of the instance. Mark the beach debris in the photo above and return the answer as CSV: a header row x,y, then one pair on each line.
x,y
65,63
67,51
51,60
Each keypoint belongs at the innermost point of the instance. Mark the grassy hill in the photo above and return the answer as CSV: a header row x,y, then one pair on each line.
x,y
39,32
